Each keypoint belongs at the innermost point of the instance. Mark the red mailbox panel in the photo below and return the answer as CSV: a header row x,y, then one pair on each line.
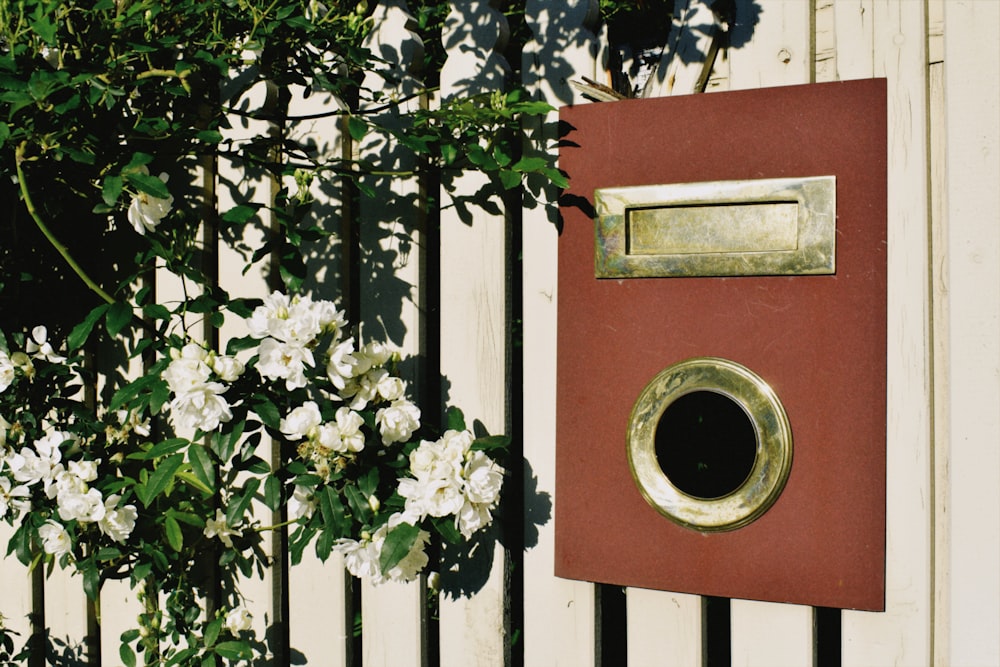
x,y
818,340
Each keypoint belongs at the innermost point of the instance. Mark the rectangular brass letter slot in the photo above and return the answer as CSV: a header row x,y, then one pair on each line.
x,y
780,226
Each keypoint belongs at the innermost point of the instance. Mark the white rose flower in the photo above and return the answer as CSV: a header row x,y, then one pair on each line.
x,y
329,317
302,504
85,507
268,319
117,522
390,387
410,567
85,471
340,367
397,422
39,347
7,369
13,497
349,424
284,361
218,527
361,557
471,517
146,211
55,539
201,407
229,369
328,437
483,479
238,620
373,355
301,421
186,374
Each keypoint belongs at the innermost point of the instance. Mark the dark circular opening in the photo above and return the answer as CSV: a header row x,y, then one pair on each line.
x,y
706,444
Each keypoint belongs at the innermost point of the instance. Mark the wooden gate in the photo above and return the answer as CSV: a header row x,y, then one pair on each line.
x,y
479,301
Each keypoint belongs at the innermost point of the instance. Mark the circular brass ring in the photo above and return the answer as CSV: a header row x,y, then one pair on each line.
x,y
771,465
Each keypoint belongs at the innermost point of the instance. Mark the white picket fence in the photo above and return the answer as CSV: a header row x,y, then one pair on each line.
x,y
942,62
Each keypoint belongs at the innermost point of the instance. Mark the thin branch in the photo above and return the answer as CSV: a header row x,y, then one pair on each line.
x,y
60,248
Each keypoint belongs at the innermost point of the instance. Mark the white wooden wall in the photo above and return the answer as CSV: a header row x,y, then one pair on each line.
x,y
942,62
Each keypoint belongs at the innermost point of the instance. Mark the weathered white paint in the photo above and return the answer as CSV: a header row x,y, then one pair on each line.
x,y
392,262
474,330
902,635
972,94
559,615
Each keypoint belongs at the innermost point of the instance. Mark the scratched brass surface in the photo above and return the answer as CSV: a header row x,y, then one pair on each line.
x,y
771,467
783,226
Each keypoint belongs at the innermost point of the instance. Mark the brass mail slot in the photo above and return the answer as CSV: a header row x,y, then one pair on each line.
x,y
784,226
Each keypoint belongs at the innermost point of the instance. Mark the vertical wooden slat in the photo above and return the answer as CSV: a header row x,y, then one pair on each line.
x,y
854,32
320,613
240,183
392,258
15,603
474,333
664,628
65,618
902,635
777,53
972,95
559,615
941,412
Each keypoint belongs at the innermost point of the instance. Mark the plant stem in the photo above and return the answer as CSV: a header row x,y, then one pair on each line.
x,y
60,248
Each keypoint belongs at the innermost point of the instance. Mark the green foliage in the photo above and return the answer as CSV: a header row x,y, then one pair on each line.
x,y
111,114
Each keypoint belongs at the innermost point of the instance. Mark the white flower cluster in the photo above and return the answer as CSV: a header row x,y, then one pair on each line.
x,y
361,557
193,376
41,465
449,478
290,329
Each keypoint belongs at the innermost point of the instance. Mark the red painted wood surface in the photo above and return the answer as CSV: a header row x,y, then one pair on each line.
x,y
819,341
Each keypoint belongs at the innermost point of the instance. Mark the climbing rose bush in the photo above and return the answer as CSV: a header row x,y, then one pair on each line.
x,y
177,471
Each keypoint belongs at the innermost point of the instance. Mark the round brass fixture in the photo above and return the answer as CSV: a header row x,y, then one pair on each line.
x,y
709,444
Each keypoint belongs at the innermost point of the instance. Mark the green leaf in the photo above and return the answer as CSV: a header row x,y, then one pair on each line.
x,y
267,411
357,128
119,314
156,311
240,215
81,332
91,580
491,442
454,419
397,545
369,483
161,449
272,492
151,185
556,177
233,650
239,504
111,189
212,632
509,179
160,478
202,465
530,164
359,503
175,538
332,510
210,136
127,655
